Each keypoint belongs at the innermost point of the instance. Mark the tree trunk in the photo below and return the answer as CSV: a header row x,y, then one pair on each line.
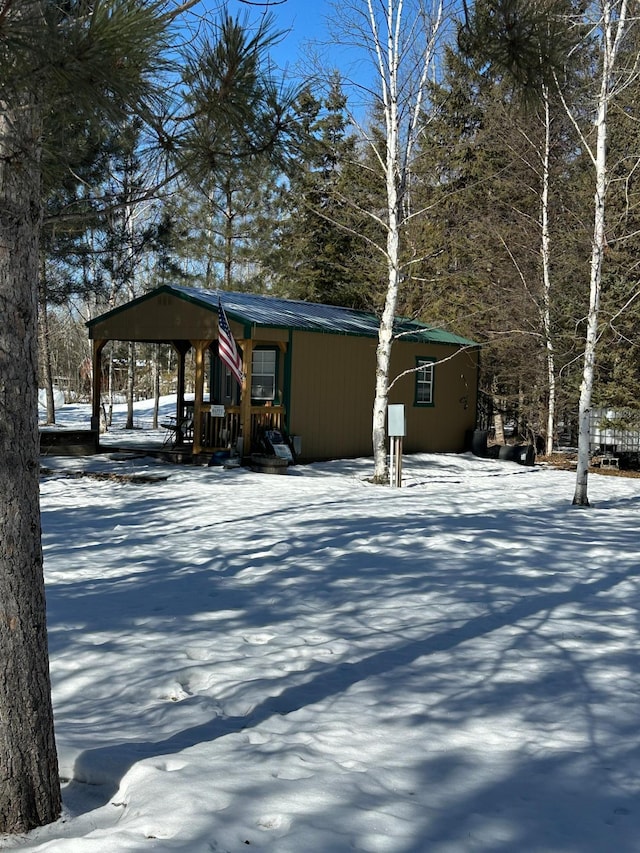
x,y
228,239
612,34
385,331
209,277
401,104
545,251
383,359
156,385
580,497
131,384
497,406
393,173
30,790
45,353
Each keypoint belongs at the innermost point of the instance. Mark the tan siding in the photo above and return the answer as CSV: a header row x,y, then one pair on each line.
x,y
264,336
161,318
332,389
443,426
332,394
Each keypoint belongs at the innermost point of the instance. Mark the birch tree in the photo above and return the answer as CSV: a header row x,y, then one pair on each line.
x,y
545,257
606,23
505,29
396,32
401,39
609,30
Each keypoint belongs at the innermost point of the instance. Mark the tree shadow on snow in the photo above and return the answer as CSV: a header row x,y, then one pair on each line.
x,y
105,766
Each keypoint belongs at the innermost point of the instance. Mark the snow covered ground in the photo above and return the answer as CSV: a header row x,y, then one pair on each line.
x,y
311,664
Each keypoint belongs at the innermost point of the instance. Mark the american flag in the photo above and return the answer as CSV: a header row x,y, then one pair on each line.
x,y
227,346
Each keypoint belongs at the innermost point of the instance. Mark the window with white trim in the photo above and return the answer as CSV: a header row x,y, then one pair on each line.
x,y
424,382
263,374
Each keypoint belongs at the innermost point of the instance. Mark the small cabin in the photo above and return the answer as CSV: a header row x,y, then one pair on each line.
x,y
308,370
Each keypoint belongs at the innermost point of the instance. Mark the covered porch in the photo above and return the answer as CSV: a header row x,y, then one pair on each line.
x,y
217,413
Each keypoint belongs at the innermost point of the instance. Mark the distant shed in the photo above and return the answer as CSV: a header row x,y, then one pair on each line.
x,y
309,369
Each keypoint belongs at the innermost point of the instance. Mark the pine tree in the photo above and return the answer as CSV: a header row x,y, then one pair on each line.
x,y
98,56
228,157
318,251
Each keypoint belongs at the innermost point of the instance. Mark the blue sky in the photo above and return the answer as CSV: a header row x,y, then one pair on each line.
x,y
302,20
307,47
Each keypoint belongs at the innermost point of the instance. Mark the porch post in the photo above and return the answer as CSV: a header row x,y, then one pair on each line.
x,y
182,348
201,348
245,396
96,383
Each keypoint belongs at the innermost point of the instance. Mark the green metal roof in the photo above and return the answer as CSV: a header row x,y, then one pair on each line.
x,y
270,311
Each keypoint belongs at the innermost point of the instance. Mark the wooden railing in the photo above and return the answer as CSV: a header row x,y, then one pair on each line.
x,y
265,417
220,433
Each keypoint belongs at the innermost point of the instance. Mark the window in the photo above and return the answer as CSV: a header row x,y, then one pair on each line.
x,y
424,382
263,374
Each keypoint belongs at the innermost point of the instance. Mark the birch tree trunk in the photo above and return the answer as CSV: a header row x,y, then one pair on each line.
x,y
545,252
612,30
392,174
498,405
597,250
395,41
29,789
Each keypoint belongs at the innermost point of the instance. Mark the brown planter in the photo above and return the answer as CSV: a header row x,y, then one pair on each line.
x,y
263,464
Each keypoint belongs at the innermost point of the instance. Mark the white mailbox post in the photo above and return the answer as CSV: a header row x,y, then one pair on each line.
x,y
397,429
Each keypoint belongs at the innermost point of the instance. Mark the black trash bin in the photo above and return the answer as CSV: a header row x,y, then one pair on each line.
x,y
523,454
509,452
477,442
